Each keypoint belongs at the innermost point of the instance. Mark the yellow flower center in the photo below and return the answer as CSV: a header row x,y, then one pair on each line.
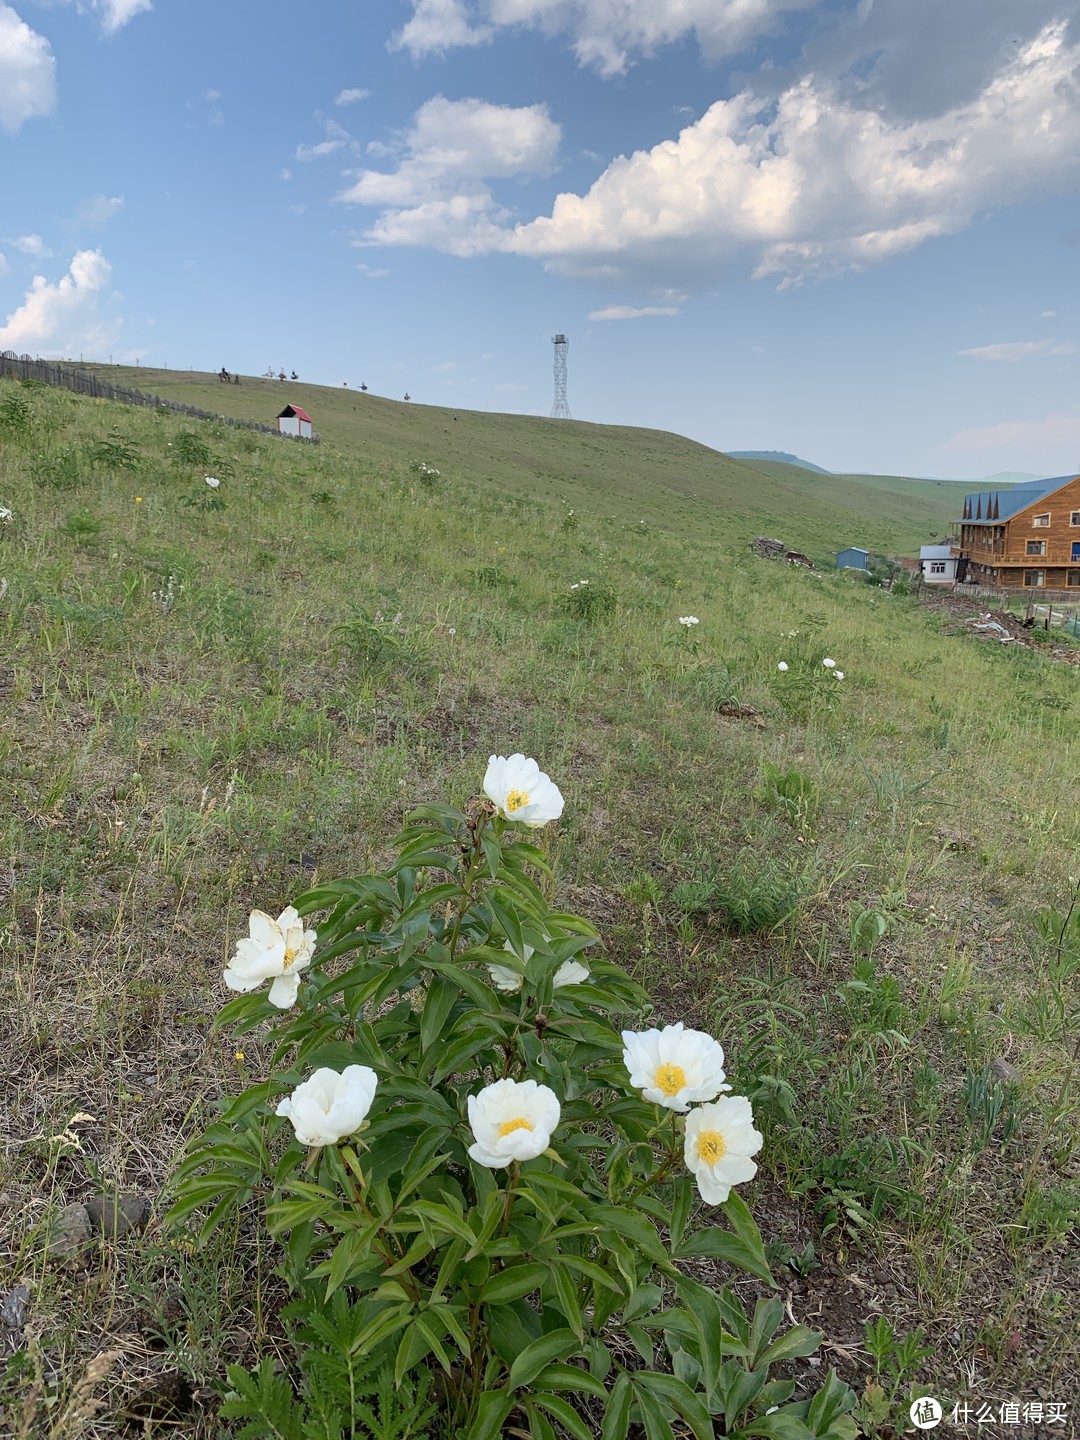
x,y
290,956
670,1079
712,1147
509,1126
516,800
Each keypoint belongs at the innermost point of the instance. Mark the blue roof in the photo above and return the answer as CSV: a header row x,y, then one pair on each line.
x,y
853,550
985,507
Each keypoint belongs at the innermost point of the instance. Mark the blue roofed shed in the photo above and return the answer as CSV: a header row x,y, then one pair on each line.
x,y
853,558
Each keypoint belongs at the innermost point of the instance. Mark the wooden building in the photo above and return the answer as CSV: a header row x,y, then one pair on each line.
x,y
294,421
1024,538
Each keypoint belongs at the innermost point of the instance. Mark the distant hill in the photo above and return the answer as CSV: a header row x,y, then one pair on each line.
x,y
1007,477
778,457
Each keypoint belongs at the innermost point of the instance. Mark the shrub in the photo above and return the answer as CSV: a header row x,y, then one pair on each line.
x,y
59,468
590,600
536,1273
191,449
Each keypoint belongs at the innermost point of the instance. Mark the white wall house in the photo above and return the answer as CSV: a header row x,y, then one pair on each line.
x,y
294,421
937,564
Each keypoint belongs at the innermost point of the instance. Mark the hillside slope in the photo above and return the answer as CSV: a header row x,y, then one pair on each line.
x,y
844,872
634,474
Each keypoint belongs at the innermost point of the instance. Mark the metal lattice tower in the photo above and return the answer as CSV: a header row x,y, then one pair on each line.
x,y
560,410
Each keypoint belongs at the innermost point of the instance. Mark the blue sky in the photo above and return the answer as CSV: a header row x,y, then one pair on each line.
x,y
846,228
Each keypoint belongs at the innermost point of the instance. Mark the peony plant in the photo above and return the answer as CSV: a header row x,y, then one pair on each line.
x,y
477,1182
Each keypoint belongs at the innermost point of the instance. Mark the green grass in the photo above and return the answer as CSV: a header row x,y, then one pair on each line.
x,y
199,709
603,470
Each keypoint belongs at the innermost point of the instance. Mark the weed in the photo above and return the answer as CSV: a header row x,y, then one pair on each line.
x,y
753,897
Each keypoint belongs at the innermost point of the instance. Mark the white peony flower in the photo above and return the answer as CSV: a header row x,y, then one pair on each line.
x,y
674,1067
829,663
838,674
511,1120
782,666
274,949
5,513
720,1138
570,972
521,792
212,481
689,620
329,1106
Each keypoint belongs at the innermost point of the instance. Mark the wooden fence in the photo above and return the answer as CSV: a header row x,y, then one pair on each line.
x,y
49,372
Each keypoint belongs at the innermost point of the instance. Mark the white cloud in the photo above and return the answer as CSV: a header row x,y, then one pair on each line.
x,y
438,25
337,138
99,209
4,266
316,152
603,34
444,368
30,245
27,71
1020,350
60,317
807,185
458,143
115,14
438,194
350,97
373,272
631,312
286,174
1048,315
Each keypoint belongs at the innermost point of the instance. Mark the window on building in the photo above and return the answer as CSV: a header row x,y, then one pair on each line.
x,y
1075,550
937,567
1040,522
1074,518
1074,578
1034,578
1036,547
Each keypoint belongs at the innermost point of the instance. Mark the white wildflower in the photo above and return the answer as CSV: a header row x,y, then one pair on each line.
x,y
720,1139
274,949
330,1105
521,792
674,1066
512,1120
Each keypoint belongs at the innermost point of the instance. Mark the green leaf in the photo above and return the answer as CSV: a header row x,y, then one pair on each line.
x,y
569,1377
438,1002
555,1346
654,1414
565,1414
566,1297
508,920
723,1245
616,1421
681,1398
492,1409
442,1217
514,1282
790,1346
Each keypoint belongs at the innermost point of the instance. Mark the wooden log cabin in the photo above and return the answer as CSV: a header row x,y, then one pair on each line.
x,y
1027,537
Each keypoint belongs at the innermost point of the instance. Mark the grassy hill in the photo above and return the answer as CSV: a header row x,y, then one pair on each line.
x,y
861,886
603,469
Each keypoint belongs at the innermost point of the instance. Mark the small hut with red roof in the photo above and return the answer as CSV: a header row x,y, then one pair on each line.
x,y
294,421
